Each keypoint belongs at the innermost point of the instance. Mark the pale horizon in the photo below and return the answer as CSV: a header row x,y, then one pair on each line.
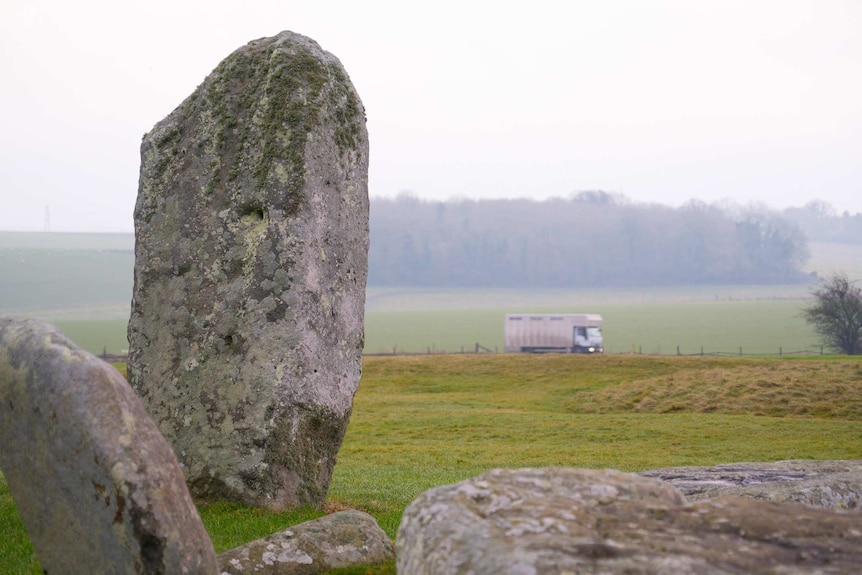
x,y
664,101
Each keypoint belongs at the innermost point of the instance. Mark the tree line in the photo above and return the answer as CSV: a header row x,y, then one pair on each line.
x,y
821,222
593,239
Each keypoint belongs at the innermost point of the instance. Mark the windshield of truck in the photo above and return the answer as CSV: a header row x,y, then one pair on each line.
x,y
594,332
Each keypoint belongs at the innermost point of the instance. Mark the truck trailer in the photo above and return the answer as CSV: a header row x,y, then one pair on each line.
x,y
553,333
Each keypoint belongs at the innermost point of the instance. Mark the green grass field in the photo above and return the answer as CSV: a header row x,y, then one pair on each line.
x,y
422,421
757,326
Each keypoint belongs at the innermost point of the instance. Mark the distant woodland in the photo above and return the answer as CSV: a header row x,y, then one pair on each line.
x,y
593,239
822,223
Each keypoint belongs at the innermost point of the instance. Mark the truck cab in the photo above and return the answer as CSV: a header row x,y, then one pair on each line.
x,y
588,339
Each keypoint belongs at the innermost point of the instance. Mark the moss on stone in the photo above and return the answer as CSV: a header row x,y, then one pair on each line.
x,y
291,92
283,93
303,443
346,110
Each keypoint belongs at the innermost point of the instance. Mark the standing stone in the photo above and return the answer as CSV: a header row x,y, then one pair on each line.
x,y
251,229
98,488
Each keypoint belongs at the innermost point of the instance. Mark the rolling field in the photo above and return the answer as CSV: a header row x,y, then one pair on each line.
x,y
82,283
62,280
97,336
422,421
758,326
84,275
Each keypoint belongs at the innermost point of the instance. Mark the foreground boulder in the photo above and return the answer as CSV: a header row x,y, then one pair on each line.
x,y
830,484
98,488
537,521
344,539
251,229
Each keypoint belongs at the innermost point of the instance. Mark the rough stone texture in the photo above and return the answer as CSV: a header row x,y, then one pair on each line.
x,y
536,521
251,229
830,484
98,488
344,539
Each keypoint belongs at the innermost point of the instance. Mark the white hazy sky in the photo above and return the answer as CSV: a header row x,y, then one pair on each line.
x,y
663,101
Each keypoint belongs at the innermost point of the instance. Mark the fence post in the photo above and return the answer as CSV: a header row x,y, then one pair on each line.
x,y
677,350
701,351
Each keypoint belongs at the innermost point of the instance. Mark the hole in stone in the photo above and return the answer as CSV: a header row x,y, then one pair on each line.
x,y
228,339
252,214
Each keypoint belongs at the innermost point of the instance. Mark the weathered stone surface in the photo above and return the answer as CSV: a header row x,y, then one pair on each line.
x,y
343,539
536,521
830,484
98,488
250,264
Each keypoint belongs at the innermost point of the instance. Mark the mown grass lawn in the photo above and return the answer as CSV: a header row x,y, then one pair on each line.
x,y
423,421
427,420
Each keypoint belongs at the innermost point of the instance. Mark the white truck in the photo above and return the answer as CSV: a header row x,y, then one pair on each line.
x,y
548,333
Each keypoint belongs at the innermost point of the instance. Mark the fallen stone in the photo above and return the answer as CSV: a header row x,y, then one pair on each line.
x,y
98,488
830,484
251,227
343,539
555,520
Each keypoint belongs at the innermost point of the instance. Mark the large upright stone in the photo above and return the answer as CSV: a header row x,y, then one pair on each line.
x,y
98,488
251,251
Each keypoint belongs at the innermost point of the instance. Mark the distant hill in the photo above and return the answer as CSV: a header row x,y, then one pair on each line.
x,y
92,273
67,241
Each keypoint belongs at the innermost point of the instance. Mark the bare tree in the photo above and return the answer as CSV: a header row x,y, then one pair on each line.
x,y
836,314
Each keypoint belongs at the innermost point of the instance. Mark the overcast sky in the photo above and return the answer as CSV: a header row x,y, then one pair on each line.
x,y
663,101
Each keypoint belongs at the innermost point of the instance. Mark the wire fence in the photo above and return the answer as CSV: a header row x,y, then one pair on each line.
x,y
634,349
478,348
740,351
